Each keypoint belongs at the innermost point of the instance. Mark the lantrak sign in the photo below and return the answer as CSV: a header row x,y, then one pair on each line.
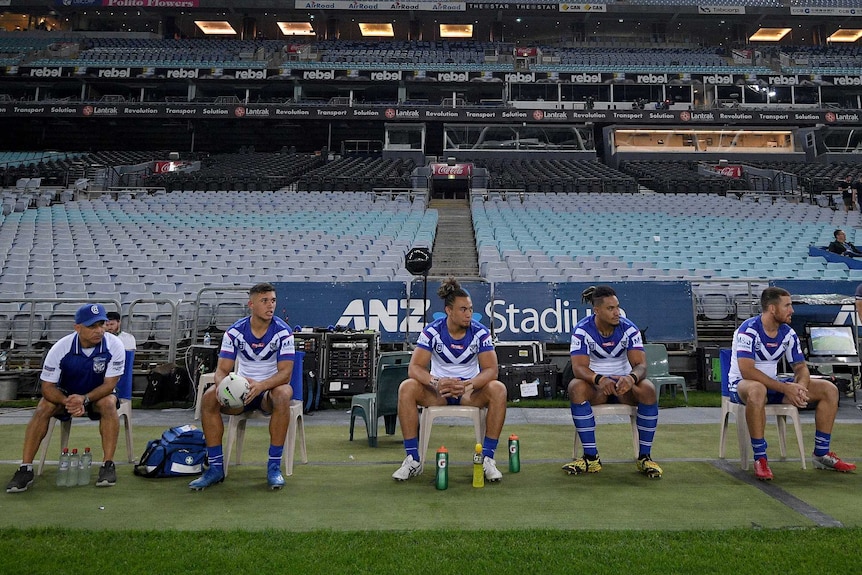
x,y
381,5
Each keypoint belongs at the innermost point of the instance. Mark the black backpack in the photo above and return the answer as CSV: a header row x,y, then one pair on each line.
x,y
168,385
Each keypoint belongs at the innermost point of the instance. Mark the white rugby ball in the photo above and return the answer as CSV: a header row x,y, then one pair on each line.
x,y
232,390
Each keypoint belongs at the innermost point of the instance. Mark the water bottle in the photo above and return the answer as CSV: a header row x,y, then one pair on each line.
x,y
207,338
74,464
63,468
442,481
478,468
514,454
85,468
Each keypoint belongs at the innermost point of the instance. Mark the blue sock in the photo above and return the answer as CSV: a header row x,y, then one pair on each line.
x,y
647,419
215,456
275,453
759,447
821,443
489,446
585,424
411,446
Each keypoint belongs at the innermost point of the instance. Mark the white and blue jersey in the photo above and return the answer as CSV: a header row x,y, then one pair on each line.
x,y
79,370
455,357
750,341
608,355
257,358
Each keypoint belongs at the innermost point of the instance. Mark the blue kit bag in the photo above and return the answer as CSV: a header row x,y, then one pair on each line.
x,y
180,452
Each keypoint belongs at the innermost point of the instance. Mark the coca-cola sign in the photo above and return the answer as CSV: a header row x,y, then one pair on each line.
x,y
453,172
162,167
731,171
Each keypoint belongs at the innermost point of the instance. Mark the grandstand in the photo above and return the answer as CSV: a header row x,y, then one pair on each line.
x,y
155,168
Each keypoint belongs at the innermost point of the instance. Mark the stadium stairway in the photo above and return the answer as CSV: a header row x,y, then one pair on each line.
x,y
454,250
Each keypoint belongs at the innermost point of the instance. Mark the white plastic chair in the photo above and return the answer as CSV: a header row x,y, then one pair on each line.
x,y
204,381
429,414
781,411
124,411
614,409
236,435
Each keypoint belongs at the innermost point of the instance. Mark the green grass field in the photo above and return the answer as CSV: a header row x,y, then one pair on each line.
x,y
342,513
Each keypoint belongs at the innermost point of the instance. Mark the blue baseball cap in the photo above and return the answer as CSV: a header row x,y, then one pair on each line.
x,y
89,314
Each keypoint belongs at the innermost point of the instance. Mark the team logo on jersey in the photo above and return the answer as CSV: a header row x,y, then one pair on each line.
x,y
240,344
273,345
624,342
474,348
100,364
591,345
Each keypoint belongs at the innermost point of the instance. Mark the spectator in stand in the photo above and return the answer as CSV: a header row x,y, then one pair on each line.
x,y
848,193
842,247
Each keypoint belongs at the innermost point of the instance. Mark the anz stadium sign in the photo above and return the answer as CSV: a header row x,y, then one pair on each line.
x,y
514,311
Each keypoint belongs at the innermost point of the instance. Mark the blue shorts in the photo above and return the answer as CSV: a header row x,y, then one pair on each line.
x,y
257,404
772,396
90,410
453,401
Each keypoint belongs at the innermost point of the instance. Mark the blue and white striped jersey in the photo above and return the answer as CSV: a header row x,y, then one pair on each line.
x,y
608,355
455,357
751,342
258,357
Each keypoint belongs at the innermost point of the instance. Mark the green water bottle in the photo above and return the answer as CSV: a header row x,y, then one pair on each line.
x,y
514,454
442,468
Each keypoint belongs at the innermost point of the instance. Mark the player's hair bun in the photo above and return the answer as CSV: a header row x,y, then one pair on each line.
x,y
594,293
448,288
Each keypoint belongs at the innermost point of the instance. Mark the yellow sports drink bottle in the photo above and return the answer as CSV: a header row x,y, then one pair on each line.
x,y
478,469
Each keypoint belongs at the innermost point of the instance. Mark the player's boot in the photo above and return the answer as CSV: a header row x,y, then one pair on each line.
x,y
409,468
274,478
761,470
210,477
833,462
583,465
489,466
649,467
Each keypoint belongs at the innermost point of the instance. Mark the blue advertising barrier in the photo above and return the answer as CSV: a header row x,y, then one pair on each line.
x,y
377,306
514,311
548,311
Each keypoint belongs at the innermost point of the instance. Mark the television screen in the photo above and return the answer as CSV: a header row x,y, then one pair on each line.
x,y
831,340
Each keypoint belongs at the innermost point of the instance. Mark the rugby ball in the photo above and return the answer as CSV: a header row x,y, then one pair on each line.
x,y
232,390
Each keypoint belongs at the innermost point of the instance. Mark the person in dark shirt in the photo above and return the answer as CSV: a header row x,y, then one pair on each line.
x,y
848,194
842,247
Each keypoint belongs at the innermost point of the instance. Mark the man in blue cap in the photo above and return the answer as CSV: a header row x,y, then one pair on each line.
x,y
78,378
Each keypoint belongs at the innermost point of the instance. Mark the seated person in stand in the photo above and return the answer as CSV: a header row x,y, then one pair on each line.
x,y
842,247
